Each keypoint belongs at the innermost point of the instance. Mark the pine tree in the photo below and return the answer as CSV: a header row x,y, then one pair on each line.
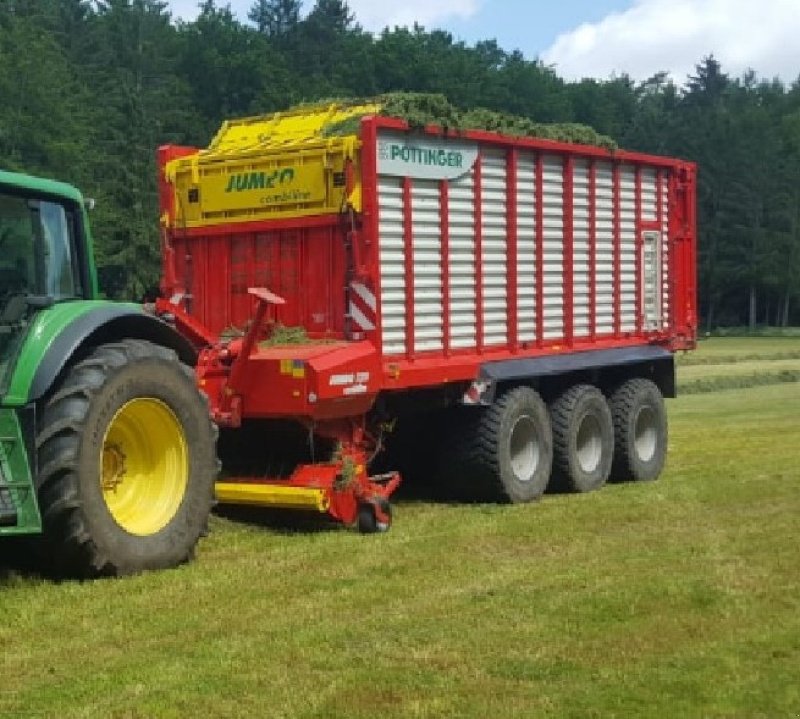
x,y
275,18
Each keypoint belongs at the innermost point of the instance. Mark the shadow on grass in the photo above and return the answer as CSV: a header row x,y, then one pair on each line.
x,y
281,521
436,491
18,561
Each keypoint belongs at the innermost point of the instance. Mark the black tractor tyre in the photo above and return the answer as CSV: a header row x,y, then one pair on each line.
x,y
127,431
583,439
640,431
501,453
368,522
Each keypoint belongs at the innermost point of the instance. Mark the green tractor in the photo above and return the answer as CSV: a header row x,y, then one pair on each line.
x,y
107,451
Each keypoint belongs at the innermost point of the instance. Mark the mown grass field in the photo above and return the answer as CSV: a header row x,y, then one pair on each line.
x,y
676,598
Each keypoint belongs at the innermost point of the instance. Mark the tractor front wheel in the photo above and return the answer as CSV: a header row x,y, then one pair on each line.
x,y
127,463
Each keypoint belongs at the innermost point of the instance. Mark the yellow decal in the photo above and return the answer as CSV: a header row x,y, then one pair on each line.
x,y
240,188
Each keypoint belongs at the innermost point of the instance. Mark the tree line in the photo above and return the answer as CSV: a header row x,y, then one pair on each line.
x,y
88,90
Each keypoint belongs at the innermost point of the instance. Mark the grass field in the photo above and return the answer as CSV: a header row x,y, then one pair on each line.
x,y
676,598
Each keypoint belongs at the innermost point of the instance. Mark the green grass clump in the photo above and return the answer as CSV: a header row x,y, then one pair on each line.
x,y
763,331
716,350
694,359
737,381
422,109
281,335
737,363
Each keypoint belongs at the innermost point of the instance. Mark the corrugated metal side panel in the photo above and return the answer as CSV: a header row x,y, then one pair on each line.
x,y
494,248
649,195
581,259
604,213
392,263
526,247
593,274
461,217
553,244
427,245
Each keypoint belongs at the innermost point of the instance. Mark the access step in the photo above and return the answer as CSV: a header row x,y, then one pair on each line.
x,y
9,516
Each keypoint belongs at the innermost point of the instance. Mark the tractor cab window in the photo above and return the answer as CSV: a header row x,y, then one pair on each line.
x,y
37,255
38,267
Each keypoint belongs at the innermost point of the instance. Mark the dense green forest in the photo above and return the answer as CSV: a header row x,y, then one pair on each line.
x,y
88,90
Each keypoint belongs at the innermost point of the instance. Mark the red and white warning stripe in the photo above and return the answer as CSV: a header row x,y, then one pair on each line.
x,y
363,307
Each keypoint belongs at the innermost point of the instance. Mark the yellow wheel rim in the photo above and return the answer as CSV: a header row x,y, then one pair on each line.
x,y
144,469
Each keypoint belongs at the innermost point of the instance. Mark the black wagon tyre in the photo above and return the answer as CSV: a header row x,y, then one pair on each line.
x,y
126,455
640,431
504,452
583,439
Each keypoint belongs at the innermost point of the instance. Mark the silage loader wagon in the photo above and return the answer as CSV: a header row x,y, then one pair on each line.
x,y
510,304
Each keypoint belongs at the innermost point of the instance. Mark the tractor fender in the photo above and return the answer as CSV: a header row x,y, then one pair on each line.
x,y
108,323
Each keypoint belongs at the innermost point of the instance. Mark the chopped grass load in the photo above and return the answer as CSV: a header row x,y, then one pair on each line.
x,y
281,335
422,109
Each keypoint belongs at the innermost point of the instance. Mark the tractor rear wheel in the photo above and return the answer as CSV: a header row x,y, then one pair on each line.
x,y
127,463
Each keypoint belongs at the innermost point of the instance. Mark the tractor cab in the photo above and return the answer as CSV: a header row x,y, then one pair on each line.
x,y
106,444
41,261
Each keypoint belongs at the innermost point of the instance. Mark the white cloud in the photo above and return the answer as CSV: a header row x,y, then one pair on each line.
x,y
430,13
674,35
371,15
187,9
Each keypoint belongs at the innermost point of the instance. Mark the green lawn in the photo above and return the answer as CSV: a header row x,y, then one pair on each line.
x,y
723,363
721,350
677,598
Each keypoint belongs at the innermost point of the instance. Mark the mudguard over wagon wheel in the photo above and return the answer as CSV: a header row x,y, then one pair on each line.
x,y
127,463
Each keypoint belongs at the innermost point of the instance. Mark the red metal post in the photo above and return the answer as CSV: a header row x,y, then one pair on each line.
x,y
444,230
477,196
638,264
408,247
539,251
617,255
511,250
664,245
569,249
592,249
370,217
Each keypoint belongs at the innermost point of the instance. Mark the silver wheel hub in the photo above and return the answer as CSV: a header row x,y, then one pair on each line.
x,y
524,449
589,443
645,434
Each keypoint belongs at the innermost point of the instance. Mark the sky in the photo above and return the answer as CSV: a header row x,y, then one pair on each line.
x,y
597,38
